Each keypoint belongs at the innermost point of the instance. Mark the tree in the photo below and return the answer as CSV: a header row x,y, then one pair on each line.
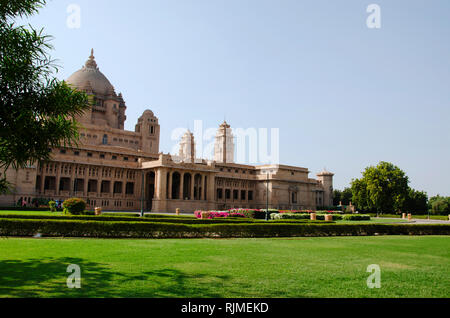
x,y
346,196
383,188
336,197
416,202
37,112
440,205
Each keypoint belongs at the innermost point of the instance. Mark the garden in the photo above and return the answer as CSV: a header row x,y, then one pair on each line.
x,y
75,221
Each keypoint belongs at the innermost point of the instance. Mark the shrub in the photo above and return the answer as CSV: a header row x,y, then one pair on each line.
x,y
356,217
74,206
52,206
303,216
217,214
107,229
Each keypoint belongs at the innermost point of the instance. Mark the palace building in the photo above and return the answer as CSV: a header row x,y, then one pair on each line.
x,y
123,170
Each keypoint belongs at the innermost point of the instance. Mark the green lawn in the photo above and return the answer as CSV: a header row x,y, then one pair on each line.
x,y
411,266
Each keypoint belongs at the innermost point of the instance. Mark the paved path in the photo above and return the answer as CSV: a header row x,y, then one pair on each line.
x,y
422,221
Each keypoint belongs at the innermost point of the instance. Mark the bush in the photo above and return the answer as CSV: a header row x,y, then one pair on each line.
x,y
74,206
107,229
356,217
302,216
52,206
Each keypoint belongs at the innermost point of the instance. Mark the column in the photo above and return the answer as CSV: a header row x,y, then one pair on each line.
x,y
42,185
192,186
211,188
58,177
160,182
86,181
202,193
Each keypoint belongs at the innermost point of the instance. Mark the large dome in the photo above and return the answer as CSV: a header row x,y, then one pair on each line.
x,y
90,77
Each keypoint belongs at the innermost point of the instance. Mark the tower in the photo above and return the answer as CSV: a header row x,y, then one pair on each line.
x,y
187,147
224,144
326,179
149,129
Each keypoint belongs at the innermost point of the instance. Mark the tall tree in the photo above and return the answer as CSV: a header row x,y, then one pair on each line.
x,y
336,197
346,196
383,188
37,111
416,202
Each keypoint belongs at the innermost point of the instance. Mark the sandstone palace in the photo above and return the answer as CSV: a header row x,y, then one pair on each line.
x,y
123,170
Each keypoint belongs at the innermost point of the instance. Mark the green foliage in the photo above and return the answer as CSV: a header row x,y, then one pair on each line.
x,y
52,206
337,196
342,197
441,206
74,206
109,229
383,188
36,110
416,202
356,217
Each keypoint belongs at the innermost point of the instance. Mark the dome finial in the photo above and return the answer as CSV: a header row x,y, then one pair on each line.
x,y
91,62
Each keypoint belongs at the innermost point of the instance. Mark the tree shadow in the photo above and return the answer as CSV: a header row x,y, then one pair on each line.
x,y
47,277
174,283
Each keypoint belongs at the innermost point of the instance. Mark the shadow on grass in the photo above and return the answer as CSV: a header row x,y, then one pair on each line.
x,y
47,277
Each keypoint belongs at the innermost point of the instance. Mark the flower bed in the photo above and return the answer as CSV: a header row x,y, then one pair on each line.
x,y
217,214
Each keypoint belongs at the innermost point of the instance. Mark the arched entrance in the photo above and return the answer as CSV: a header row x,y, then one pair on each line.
x,y
187,179
176,179
150,189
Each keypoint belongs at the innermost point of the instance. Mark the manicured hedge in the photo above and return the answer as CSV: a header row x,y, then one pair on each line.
x,y
167,219
356,217
108,229
303,216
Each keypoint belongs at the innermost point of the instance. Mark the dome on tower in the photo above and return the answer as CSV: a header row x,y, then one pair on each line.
x,y
89,77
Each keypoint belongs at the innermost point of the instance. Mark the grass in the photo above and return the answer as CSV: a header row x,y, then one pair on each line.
x,y
411,266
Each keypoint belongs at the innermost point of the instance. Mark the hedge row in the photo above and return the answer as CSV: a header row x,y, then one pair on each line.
x,y
164,219
107,229
306,216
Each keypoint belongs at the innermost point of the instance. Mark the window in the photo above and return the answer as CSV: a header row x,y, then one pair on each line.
x,y
105,139
152,130
63,151
250,195
76,153
125,158
89,154
114,157
102,156
129,188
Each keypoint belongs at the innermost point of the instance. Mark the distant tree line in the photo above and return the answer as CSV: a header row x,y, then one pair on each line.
x,y
384,189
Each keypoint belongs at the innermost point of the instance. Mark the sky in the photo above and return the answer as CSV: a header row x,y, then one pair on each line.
x,y
343,96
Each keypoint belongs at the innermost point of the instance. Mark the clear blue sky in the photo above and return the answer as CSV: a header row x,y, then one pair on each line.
x,y
344,96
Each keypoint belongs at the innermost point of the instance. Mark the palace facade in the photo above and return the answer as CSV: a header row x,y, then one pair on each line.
x,y
123,170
